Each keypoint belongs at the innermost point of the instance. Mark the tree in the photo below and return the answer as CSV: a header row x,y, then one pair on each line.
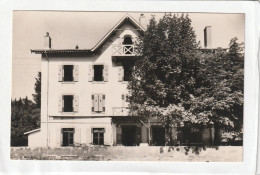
x,y
25,115
176,83
166,72
37,88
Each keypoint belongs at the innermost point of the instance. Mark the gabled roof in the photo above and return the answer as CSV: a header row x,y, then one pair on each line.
x,y
126,17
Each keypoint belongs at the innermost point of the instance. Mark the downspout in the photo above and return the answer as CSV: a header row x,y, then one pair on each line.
x,y
48,132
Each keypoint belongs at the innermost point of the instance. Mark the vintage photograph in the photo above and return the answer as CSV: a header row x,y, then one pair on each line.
x,y
127,86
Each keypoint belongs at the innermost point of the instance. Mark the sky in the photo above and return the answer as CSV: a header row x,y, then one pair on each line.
x,y
85,29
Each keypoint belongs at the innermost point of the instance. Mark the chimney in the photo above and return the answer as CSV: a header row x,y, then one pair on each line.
x,y
140,18
47,41
207,37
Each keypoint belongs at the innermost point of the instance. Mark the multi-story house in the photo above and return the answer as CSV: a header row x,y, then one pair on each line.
x,y
83,94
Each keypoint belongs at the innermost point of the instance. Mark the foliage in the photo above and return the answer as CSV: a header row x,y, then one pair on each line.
x,y
174,81
37,89
25,115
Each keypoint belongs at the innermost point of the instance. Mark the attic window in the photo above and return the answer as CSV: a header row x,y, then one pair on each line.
x,y
128,41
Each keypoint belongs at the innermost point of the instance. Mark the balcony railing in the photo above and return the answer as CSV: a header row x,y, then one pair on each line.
x,y
120,111
123,50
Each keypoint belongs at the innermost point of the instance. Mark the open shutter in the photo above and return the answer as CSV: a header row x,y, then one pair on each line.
x,y
60,103
58,137
105,73
76,73
75,103
60,73
93,103
100,102
120,73
90,73
77,136
96,99
103,103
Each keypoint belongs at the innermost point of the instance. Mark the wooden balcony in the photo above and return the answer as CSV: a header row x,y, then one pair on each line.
x,y
120,111
123,50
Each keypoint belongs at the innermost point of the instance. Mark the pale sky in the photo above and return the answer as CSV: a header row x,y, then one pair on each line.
x,y
67,29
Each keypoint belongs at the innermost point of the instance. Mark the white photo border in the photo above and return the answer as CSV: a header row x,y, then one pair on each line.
x,y
251,87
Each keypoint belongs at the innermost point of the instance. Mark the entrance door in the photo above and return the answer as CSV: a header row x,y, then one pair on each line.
x,y
158,135
129,135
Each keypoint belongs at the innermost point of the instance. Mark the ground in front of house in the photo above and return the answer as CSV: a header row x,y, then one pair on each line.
x,y
133,153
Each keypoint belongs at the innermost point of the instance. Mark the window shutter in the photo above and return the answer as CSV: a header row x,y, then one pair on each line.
x,y
60,73
90,73
105,73
76,73
60,103
103,103
120,73
75,103
93,103
77,136
58,137
96,99
100,102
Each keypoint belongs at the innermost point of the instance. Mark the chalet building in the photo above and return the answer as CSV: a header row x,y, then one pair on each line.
x,y
83,95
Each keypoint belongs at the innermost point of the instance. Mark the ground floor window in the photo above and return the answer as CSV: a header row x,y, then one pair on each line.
x,y
98,136
67,136
158,136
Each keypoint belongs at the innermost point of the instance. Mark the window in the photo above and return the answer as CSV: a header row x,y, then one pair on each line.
x,y
67,136
68,73
68,103
125,71
98,136
98,103
98,72
128,49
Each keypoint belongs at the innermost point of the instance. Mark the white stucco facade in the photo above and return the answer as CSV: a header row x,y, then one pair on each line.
x,y
83,120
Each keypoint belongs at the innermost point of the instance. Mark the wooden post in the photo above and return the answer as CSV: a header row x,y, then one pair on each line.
x,y
149,131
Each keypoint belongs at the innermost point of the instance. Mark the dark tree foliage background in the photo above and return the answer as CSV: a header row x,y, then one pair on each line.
x,y
25,116
177,83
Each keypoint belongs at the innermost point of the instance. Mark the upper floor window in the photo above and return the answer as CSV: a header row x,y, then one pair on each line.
x,y
125,71
98,73
68,103
68,73
98,103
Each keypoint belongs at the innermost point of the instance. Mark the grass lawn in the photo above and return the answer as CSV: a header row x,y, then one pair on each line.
x,y
140,153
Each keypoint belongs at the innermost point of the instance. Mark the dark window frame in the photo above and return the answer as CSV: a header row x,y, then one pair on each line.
x,y
68,105
98,72
68,135
68,73
98,135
